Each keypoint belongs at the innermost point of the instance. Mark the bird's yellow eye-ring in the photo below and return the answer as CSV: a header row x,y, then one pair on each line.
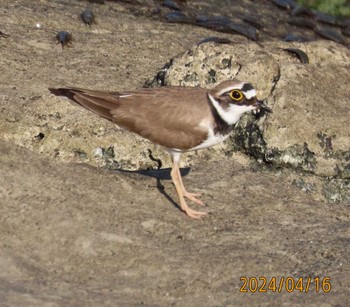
x,y
236,95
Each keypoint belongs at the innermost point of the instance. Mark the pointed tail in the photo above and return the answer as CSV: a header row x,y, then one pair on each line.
x,y
95,101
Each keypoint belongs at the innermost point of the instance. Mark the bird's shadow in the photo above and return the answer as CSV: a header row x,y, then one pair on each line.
x,y
158,174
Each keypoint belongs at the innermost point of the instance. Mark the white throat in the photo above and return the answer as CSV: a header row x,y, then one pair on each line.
x,y
231,115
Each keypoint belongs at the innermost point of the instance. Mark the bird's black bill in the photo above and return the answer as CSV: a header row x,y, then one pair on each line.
x,y
262,106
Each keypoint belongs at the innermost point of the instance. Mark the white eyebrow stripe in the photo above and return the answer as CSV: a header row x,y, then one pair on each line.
x,y
250,94
124,96
233,87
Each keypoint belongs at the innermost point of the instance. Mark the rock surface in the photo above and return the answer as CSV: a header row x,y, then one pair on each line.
x,y
73,234
309,127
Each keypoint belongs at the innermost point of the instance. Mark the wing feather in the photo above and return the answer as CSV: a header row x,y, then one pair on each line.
x,y
169,116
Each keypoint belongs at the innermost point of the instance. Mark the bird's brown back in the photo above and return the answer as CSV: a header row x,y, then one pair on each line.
x,y
168,116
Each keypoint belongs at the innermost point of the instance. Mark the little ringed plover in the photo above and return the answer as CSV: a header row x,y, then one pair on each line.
x,y
178,118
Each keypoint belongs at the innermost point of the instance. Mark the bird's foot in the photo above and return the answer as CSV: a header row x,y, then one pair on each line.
x,y
190,212
193,213
193,197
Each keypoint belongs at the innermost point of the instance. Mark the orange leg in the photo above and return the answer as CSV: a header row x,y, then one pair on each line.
x,y
181,192
189,195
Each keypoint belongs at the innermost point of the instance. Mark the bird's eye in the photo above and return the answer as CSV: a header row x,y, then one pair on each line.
x,y
236,95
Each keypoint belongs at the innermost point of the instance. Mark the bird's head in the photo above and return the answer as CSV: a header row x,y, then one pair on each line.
x,y
231,99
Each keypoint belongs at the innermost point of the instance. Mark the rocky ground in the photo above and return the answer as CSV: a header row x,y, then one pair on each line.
x,y
86,216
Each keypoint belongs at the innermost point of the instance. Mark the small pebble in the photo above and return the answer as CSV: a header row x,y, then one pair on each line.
x,y
330,34
171,4
64,38
176,16
299,53
88,17
295,38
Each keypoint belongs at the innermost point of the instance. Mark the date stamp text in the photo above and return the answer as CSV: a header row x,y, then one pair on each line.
x,y
288,284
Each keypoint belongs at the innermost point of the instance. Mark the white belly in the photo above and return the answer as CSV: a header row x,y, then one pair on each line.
x,y
211,140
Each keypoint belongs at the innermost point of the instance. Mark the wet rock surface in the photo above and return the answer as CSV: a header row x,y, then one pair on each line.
x,y
86,214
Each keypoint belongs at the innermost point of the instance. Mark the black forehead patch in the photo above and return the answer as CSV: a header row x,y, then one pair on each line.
x,y
247,87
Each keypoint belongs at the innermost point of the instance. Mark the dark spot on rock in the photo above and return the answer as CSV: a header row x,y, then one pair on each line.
x,y
305,187
75,133
211,76
247,137
296,157
337,190
108,153
325,141
80,153
214,39
191,77
158,161
39,136
55,115
226,63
